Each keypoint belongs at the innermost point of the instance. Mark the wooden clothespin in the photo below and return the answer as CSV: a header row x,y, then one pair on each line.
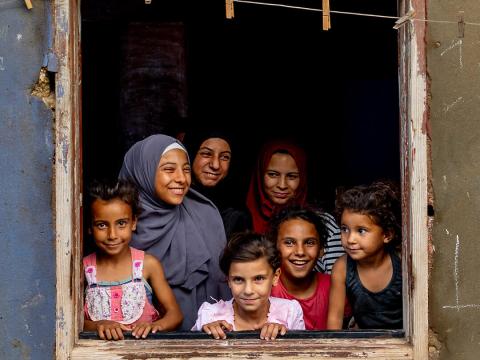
x,y
28,4
402,21
229,13
461,25
326,15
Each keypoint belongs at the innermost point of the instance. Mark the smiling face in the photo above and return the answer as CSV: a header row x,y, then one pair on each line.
x,y
173,178
299,245
281,178
212,161
112,226
362,238
251,283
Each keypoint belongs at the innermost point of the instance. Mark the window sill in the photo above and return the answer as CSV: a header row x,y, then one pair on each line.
x,y
380,344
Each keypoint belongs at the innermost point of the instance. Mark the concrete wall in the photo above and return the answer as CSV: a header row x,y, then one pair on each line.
x,y
27,252
454,70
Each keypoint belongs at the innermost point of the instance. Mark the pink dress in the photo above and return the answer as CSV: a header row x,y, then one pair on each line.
x,y
282,311
124,302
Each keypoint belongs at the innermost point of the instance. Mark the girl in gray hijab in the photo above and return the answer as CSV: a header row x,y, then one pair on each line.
x,y
178,225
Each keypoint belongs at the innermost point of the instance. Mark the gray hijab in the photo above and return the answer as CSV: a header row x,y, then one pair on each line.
x,y
186,238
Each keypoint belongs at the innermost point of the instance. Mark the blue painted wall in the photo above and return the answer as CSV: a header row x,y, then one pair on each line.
x,y
27,247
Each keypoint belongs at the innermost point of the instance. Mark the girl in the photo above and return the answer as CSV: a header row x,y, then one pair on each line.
x,y
280,177
121,279
370,274
251,264
300,235
179,226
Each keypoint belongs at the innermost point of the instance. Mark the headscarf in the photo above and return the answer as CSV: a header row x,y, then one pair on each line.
x,y
186,238
260,206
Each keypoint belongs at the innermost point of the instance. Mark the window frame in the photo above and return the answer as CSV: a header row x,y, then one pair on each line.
x,y
68,221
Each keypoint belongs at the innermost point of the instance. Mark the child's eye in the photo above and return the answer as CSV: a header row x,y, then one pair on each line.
x,y
237,280
122,223
101,226
288,242
259,278
225,157
292,176
311,242
362,230
343,229
187,169
272,174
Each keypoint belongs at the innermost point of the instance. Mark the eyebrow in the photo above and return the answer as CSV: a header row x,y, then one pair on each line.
x,y
210,149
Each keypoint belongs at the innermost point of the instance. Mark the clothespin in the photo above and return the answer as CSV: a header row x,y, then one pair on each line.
x,y
148,2
229,13
461,25
408,16
326,14
28,4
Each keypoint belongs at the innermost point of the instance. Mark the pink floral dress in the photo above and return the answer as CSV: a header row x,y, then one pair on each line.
x,y
282,311
124,302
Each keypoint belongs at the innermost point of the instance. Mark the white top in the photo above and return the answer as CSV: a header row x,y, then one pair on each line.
x,y
282,311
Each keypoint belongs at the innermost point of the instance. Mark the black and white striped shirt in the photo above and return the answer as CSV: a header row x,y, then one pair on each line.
x,y
333,249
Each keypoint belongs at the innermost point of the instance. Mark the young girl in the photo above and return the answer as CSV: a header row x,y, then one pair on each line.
x,y
120,279
300,235
370,274
251,264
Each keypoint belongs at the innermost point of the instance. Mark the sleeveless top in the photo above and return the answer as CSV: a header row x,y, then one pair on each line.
x,y
124,302
376,310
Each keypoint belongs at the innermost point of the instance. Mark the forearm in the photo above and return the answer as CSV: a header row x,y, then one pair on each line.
x,y
170,321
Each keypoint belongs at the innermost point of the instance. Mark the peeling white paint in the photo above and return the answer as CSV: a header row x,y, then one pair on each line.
x,y
19,37
445,179
3,32
468,195
2,67
446,230
34,301
448,107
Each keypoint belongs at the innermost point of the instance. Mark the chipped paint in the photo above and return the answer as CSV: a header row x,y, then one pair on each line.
x,y
2,67
450,106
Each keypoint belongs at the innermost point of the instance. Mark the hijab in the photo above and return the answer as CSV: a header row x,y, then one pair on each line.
x,y
186,238
260,206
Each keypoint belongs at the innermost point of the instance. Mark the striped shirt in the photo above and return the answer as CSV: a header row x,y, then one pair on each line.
x,y
333,249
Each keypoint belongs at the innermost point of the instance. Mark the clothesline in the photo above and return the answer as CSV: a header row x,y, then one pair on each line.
x,y
352,13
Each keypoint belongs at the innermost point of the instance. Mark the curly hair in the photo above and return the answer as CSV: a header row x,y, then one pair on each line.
x,y
379,200
298,212
249,246
118,189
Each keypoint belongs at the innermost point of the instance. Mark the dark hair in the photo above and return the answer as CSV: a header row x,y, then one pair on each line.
x,y
249,246
118,189
308,214
380,201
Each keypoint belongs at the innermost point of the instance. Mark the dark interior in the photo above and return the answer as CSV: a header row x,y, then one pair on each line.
x,y
176,65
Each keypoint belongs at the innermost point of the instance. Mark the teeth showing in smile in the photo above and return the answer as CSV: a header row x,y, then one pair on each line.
x,y
177,191
299,262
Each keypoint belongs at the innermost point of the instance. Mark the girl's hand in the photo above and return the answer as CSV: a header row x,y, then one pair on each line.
x,y
141,330
110,330
271,330
217,329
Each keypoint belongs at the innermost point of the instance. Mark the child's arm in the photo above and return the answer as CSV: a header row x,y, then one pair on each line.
x,y
106,329
153,273
336,301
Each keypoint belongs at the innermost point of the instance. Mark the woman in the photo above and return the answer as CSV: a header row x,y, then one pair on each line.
x,y
178,225
279,177
211,154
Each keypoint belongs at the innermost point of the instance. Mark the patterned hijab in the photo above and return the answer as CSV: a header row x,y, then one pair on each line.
x,y
260,206
186,238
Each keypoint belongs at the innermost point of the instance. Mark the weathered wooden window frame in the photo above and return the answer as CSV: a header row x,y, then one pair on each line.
x,y
68,187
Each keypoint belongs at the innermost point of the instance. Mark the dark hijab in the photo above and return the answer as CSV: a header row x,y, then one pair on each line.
x,y
260,206
186,238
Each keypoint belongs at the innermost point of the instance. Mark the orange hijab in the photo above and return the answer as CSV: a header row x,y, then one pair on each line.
x,y
260,206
